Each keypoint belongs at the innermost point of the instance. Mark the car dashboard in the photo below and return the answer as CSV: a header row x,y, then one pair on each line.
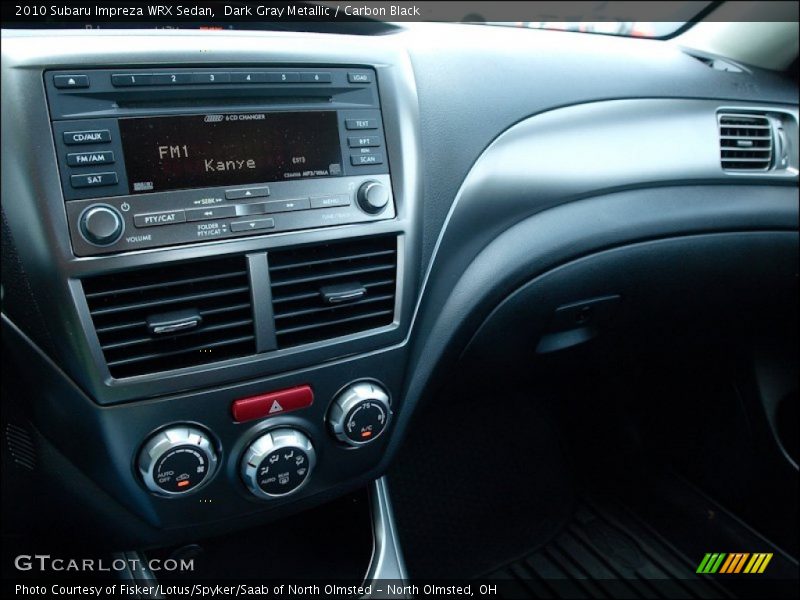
x,y
235,262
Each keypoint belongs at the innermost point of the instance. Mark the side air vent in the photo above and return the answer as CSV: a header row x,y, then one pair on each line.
x,y
170,317
745,142
330,290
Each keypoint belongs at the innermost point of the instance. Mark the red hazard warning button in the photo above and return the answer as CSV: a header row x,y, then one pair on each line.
x,y
273,403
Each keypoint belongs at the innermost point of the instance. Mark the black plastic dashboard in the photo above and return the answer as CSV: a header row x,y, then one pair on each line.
x,y
507,154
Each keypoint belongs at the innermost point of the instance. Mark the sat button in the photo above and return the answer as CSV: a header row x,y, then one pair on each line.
x,y
93,180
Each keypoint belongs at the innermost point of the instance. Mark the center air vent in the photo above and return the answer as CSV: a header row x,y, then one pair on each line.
x,y
330,290
168,317
745,142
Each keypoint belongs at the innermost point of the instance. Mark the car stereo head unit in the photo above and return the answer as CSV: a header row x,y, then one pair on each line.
x,y
173,156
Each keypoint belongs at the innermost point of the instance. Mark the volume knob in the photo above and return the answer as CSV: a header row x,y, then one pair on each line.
x,y
373,197
101,225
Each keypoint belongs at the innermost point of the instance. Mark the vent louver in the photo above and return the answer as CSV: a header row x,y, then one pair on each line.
x,y
170,317
745,142
330,290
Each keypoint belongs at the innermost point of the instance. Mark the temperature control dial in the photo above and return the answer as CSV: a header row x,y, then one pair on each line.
x,y
360,413
177,460
278,463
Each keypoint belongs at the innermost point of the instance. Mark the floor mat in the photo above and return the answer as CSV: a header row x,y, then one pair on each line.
x,y
604,551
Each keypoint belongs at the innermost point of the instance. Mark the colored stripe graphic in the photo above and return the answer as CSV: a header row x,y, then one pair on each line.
x,y
704,563
735,562
711,562
730,564
767,558
727,563
740,563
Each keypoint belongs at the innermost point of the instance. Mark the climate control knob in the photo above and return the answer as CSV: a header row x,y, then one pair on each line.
x,y
360,413
101,224
278,463
177,460
373,197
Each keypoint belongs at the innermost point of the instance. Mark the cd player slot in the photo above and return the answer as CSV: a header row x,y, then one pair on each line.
x,y
222,103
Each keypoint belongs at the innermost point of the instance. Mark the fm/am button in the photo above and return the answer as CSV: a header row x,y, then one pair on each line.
x,y
84,159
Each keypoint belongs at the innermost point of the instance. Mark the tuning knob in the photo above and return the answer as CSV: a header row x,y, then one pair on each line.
x,y
177,460
360,413
278,463
373,197
101,225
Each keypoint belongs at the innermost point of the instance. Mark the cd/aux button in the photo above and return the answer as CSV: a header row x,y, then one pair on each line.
x,y
96,136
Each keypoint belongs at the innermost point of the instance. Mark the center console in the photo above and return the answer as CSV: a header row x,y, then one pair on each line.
x,y
218,248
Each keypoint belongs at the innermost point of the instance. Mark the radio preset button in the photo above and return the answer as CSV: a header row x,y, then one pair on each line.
x,y
253,192
361,124
211,78
359,77
215,212
93,180
131,79
274,206
171,78
83,159
252,225
329,201
315,77
159,218
283,77
247,77
71,81
374,158
364,141
97,136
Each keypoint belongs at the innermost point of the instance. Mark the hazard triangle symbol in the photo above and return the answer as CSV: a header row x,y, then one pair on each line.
x,y
276,407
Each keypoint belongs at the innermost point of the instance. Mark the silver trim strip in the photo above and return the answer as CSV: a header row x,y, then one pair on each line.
x,y
387,558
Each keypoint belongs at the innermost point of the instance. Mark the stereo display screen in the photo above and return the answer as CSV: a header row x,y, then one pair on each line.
x,y
170,153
